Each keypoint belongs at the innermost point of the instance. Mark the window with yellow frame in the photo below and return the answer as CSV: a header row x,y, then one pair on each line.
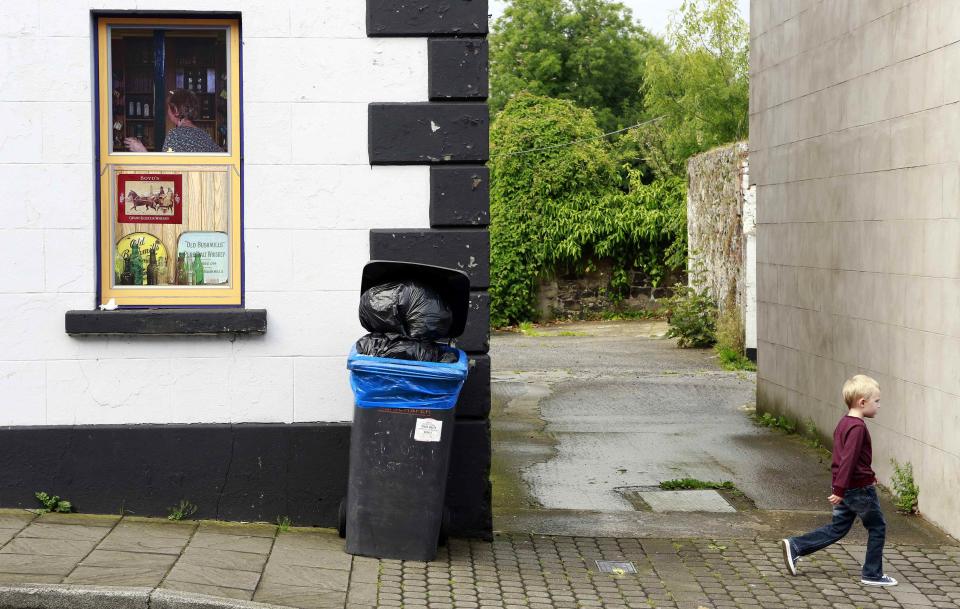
x,y
169,161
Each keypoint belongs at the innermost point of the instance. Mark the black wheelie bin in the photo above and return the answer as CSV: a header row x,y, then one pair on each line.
x,y
403,425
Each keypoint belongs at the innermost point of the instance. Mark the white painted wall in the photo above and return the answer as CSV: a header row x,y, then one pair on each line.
x,y
310,198
749,256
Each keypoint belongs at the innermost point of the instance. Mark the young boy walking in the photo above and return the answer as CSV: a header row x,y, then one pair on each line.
x,y
854,493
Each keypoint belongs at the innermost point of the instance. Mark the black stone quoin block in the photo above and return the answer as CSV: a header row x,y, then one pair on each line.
x,y
458,68
426,17
459,195
248,471
428,132
476,334
474,401
468,485
465,249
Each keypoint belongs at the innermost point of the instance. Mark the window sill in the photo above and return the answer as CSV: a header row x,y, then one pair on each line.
x,y
168,322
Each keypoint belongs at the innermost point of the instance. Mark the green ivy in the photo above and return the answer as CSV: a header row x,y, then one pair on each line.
x,y
565,207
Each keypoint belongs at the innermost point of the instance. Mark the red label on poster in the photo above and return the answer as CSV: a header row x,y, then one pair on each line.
x,y
150,198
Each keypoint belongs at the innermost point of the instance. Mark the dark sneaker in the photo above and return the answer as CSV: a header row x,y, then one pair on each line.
x,y
885,580
788,558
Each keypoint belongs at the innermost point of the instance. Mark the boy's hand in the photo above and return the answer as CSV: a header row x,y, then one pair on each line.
x,y
834,500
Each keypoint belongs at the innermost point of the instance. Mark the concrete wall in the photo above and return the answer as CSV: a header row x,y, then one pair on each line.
x,y
310,200
854,150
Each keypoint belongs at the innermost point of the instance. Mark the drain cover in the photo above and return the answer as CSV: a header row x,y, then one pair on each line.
x,y
612,566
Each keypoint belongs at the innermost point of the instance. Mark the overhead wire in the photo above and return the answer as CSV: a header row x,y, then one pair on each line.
x,y
575,142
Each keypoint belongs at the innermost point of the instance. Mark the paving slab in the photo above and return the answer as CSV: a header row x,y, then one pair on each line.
x,y
96,520
65,532
238,543
130,542
42,546
208,590
116,576
14,519
214,576
304,597
113,558
154,527
227,559
291,575
308,557
686,501
38,565
244,529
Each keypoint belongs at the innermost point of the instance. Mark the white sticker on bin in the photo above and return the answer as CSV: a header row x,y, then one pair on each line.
x,y
427,430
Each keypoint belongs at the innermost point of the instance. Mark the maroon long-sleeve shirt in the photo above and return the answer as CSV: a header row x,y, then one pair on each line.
x,y
852,455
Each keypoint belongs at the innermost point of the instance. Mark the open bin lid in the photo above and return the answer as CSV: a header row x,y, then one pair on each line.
x,y
453,285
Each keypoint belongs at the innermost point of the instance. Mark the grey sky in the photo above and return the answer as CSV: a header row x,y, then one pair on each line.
x,y
652,14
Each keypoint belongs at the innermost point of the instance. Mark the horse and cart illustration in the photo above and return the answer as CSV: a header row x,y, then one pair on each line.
x,y
149,198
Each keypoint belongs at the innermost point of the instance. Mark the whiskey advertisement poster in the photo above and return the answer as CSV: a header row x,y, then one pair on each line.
x,y
150,198
205,253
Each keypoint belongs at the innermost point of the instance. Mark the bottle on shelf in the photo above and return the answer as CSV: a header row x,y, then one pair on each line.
x,y
197,269
181,272
152,267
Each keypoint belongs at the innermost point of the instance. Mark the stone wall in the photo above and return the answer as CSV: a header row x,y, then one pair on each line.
x,y
581,295
853,119
715,238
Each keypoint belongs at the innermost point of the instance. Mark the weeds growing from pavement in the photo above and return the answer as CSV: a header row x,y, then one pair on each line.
x,y
686,484
52,504
905,489
184,509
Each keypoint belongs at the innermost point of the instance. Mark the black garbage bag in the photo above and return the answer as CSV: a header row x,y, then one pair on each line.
x,y
408,308
399,347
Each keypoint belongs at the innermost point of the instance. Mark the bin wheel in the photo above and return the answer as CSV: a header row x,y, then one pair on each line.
x,y
444,527
342,519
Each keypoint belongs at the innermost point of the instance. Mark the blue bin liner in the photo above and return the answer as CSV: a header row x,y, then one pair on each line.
x,y
383,382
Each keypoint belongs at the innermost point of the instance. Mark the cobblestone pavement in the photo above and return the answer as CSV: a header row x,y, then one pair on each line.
x,y
307,568
543,572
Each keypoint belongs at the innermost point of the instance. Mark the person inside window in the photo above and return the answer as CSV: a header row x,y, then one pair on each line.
x,y
182,109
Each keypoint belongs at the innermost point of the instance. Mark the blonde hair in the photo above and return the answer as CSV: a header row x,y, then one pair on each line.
x,y
859,387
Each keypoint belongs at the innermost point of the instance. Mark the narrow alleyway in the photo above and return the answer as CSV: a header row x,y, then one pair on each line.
x,y
588,415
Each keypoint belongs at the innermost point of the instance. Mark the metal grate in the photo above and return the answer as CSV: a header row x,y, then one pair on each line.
x,y
613,566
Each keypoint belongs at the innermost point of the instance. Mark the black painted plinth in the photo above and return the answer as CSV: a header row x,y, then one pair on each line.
x,y
459,195
464,249
469,492
428,132
458,68
166,321
474,402
426,17
253,472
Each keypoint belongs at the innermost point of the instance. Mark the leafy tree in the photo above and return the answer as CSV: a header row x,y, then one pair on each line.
x,y
700,85
561,206
590,52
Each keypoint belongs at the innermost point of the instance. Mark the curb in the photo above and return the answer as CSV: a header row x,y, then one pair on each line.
x,y
65,596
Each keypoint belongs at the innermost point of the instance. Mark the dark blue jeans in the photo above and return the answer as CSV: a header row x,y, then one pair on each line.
x,y
860,502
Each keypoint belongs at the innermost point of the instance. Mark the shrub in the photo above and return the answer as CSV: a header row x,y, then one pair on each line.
x,y
730,347
692,316
558,207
